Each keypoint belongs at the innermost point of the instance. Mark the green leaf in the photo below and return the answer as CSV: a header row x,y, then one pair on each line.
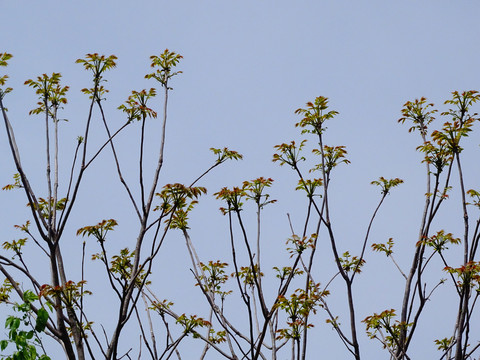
x,y
3,344
29,296
12,322
42,318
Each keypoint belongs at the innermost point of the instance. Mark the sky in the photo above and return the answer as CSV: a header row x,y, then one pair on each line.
x,y
247,66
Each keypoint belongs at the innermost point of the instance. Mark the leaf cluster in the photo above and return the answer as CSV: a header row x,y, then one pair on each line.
x,y
15,246
289,153
136,105
300,244
255,188
248,274
439,155
47,206
4,57
284,272
5,290
439,241
97,64
309,186
298,307
215,275
475,195
50,93
226,154
69,293
164,64
385,248
181,200
16,184
468,274
351,263
190,323
314,116
376,324
387,185
419,113
233,197
99,231
332,156
23,331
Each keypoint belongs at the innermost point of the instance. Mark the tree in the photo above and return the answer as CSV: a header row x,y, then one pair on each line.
x,y
274,321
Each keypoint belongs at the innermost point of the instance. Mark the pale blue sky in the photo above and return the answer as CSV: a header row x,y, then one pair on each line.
x,y
247,66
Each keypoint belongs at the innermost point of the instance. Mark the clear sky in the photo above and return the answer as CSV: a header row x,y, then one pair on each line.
x,y
247,66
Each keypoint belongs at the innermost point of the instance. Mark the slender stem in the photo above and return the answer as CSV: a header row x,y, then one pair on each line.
x,y
117,163
366,238
32,200
49,179
55,180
